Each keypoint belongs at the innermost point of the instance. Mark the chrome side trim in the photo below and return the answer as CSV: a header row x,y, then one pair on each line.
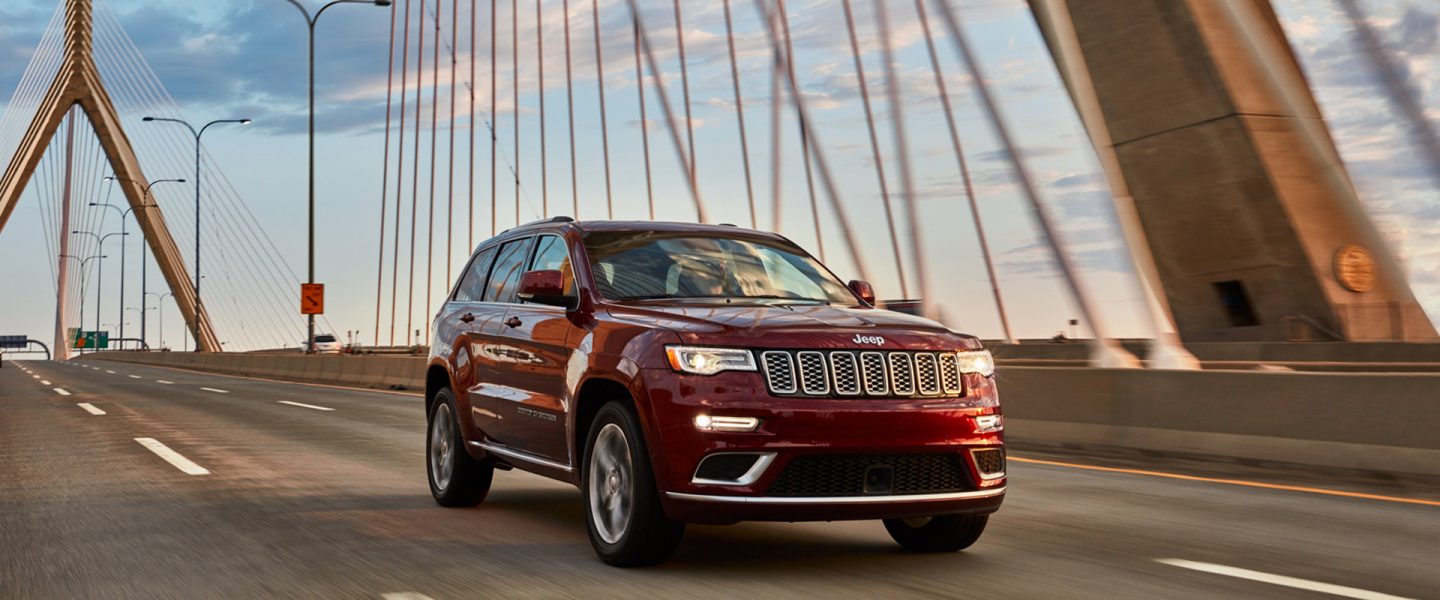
x,y
512,453
750,476
772,500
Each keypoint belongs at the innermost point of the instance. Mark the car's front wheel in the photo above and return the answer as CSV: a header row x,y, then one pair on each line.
x,y
627,526
456,478
945,533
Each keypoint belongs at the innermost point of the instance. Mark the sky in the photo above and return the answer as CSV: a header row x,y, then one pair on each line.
x,y
239,58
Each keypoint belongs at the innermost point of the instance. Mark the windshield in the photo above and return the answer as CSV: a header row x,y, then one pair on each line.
x,y
648,265
324,338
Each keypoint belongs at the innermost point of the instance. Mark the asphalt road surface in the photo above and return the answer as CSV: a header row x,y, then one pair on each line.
x,y
240,488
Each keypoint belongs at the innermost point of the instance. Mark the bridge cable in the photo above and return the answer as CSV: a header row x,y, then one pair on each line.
x,y
817,152
644,122
685,89
739,111
434,159
1023,179
875,145
385,174
540,96
570,111
604,121
805,134
415,174
964,166
902,156
659,78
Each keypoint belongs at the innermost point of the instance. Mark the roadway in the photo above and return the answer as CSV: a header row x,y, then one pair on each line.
x,y
250,489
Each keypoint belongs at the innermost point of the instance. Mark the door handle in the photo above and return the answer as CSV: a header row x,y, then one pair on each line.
x,y
513,321
467,317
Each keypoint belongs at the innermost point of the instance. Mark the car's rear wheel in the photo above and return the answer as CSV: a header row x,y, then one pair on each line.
x,y
945,533
627,526
456,479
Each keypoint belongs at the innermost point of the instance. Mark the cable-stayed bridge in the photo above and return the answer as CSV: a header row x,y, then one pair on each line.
x,y
470,149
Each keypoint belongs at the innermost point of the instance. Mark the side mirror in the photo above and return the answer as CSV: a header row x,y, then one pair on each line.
x,y
863,290
545,287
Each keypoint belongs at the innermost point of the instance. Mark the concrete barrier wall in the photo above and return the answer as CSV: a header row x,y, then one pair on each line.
x,y
384,372
1385,422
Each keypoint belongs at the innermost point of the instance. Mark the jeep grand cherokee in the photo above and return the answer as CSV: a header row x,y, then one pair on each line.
x,y
681,373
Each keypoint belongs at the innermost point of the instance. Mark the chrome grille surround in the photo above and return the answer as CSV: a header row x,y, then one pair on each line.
x,y
779,371
927,374
845,373
902,373
867,373
949,373
814,376
877,378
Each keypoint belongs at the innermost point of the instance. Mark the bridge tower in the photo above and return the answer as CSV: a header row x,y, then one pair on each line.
x,y
78,84
1213,142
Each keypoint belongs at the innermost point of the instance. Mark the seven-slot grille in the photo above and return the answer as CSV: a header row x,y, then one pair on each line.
x,y
848,373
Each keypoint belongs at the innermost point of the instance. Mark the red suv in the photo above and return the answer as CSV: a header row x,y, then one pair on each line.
x,y
682,373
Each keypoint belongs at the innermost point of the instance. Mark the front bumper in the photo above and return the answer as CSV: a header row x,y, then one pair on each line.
x,y
792,428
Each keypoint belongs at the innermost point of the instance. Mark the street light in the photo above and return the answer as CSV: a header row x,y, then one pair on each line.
x,y
99,272
83,263
143,265
197,135
310,21
160,308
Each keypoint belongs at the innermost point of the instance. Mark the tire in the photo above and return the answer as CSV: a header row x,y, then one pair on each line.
x,y
944,533
627,526
456,479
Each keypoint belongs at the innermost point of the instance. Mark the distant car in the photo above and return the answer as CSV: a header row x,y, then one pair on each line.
x,y
684,373
326,344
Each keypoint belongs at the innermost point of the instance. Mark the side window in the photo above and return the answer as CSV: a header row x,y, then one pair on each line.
x,y
509,264
552,255
472,285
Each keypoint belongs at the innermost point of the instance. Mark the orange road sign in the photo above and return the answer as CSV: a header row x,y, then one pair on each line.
x,y
312,298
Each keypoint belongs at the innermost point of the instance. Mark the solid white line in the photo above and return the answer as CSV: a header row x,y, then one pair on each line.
x,y
90,408
215,390
62,392
134,376
44,382
109,371
172,457
303,405
1281,580
405,596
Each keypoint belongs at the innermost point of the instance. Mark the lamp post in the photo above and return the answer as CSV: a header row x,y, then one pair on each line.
x,y
83,263
140,310
310,21
197,134
160,308
99,271
146,202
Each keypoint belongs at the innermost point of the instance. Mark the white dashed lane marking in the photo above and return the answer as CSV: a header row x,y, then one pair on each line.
x,y
44,382
1280,580
62,391
134,376
109,371
215,390
310,406
164,382
174,458
90,408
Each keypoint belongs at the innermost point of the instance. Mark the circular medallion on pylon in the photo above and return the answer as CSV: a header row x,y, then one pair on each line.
x,y
1354,268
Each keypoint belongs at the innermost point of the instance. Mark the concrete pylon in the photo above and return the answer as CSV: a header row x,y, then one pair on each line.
x,y
1254,226
78,83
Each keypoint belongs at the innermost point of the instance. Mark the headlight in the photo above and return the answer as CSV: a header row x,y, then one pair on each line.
x,y
709,361
975,361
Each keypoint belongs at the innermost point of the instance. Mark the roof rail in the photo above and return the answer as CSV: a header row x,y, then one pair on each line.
x,y
556,219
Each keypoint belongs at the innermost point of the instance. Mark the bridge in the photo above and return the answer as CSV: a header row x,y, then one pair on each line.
x,y
1182,216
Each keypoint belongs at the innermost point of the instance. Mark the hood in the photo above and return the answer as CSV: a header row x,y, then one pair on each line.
x,y
796,326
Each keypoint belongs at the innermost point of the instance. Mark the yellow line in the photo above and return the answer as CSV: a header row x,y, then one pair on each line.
x,y
1239,482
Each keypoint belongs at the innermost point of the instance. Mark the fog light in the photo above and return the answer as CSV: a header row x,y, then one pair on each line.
x,y
989,423
742,424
